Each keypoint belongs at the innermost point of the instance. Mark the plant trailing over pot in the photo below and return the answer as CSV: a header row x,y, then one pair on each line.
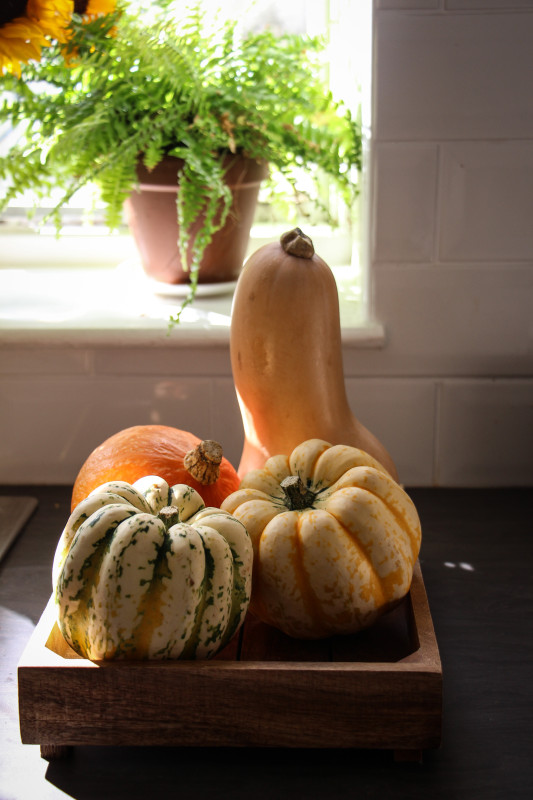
x,y
112,92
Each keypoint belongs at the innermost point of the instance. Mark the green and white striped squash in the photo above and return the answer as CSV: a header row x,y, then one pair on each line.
x,y
146,571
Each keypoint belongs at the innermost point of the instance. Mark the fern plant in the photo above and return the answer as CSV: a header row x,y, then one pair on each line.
x,y
133,86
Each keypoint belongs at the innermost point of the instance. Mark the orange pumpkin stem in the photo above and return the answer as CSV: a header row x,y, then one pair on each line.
x,y
203,462
296,243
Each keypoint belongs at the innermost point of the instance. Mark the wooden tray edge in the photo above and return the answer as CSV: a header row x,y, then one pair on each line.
x,y
377,705
426,657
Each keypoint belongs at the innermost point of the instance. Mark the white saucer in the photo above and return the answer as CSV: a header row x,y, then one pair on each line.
x,y
133,269
182,289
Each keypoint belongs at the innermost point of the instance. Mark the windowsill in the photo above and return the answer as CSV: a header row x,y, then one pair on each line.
x,y
96,303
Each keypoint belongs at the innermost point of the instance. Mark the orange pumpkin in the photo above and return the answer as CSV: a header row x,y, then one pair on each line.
x,y
176,456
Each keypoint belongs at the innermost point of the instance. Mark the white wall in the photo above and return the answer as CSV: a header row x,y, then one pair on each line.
x,y
451,390
452,236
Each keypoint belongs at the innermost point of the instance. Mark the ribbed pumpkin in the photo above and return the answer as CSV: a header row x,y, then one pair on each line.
x,y
335,539
286,355
146,571
175,455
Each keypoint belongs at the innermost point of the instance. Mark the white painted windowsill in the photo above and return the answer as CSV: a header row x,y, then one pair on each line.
x,y
107,305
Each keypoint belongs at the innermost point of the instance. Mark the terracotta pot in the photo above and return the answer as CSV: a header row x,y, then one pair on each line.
x,y
151,215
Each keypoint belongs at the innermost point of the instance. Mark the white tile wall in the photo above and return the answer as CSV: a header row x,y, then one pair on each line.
x,y
175,361
405,195
438,430
461,319
409,4
486,193
485,433
453,75
50,424
453,281
451,391
401,413
487,5
36,361
226,419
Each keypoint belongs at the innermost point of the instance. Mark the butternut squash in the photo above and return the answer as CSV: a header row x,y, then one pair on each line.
x,y
286,356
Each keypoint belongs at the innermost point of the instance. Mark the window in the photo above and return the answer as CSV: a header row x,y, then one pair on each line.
x,y
346,27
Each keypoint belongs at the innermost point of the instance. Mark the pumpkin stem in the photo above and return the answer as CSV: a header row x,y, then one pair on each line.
x,y
203,462
297,496
296,243
169,516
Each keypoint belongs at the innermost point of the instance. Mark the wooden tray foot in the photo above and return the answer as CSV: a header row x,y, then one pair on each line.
x,y
51,752
408,756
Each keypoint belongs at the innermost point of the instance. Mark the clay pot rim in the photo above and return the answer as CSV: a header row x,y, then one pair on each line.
x,y
155,187
161,178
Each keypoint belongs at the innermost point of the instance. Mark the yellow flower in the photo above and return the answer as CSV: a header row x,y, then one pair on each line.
x,y
94,8
28,25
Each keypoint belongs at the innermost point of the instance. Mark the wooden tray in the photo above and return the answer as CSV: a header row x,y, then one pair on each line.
x,y
381,688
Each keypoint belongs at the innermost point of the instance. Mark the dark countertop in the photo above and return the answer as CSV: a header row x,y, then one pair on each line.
x,y
476,561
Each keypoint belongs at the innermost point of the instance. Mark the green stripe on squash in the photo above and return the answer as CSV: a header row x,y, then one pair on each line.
x,y
129,588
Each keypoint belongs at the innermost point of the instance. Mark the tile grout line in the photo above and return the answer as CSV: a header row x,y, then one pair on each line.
x,y
436,432
437,206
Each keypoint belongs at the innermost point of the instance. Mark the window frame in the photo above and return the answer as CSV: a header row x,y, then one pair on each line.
x,y
83,244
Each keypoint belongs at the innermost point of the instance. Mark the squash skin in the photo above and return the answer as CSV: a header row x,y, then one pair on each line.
x,y
140,450
128,584
346,558
286,357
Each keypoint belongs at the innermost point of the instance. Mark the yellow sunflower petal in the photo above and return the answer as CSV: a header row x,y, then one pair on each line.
x,y
15,48
22,38
18,46
10,66
53,16
22,30
97,7
49,9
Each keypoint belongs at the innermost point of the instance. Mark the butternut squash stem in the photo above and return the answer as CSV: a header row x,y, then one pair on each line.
x,y
296,243
297,497
203,462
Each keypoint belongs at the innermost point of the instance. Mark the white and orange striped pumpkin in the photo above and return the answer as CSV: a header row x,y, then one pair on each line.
x,y
335,539
146,571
